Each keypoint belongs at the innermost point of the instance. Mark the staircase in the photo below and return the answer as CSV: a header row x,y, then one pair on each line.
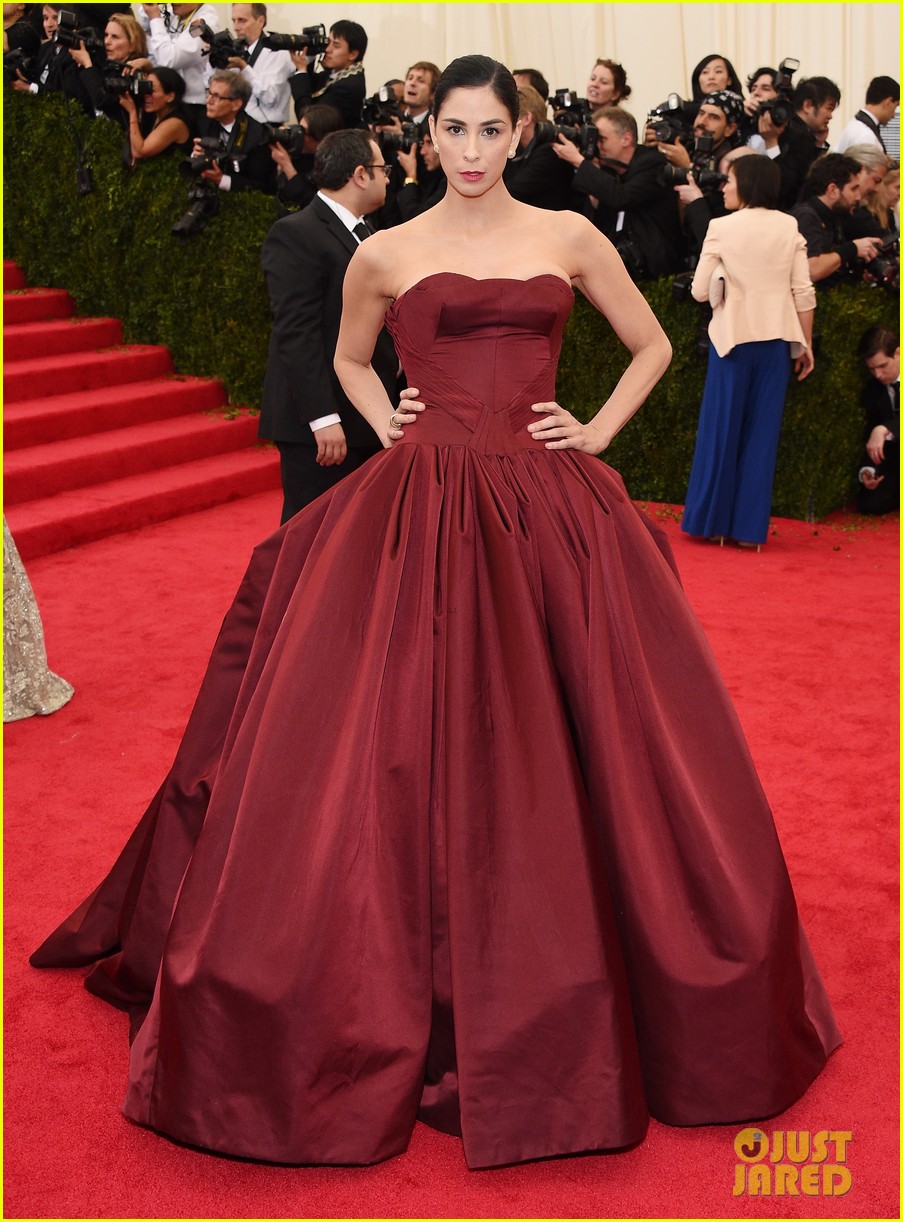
x,y
101,437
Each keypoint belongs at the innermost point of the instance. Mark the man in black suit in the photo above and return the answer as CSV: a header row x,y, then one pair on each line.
x,y
244,163
321,437
340,81
879,474
636,210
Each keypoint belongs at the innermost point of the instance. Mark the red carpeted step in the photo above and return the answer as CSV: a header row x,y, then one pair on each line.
x,y
59,375
31,305
58,417
60,466
58,522
52,337
13,276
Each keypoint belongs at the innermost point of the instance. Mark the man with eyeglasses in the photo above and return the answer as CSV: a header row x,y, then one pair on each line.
x,y
318,432
245,162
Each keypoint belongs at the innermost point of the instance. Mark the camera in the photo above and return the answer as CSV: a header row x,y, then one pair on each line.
x,y
207,159
290,135
586,138
668,121
680,292
573,119
781,107
405,140
569,109
631,257
69,35
884,269
221,47
312,39
703,169
203,203
380,109
15,62
116,80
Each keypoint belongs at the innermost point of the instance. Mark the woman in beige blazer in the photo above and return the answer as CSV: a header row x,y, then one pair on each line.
x,y
753,268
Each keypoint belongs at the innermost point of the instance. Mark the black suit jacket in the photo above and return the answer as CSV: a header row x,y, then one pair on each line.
x,y
304,258
651,216
876,403
346,94
538,176
246,157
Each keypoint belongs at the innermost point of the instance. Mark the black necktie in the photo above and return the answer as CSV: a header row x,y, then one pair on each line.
x,y
362,230
223,137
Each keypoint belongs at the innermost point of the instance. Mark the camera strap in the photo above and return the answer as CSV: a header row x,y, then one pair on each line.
x,y
864,117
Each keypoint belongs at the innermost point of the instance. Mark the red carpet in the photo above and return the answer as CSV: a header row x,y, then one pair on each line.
x,y
806,634
102,437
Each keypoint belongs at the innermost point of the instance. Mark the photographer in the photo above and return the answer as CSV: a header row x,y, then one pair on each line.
x,y
170,130
18,33
636,211
425,181
804,136
833,183
340,80
52,70
537,174
101,71
244,162
266,70
694,167
172,45
879,472
294,181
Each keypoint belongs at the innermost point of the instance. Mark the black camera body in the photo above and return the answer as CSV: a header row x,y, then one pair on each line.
x,y
884,269
118,81
69,35
203,203
290,135
573,119
703,171
408,138
781,107
221,46
586,138
312,39
15,62
208,159
668,121
380,109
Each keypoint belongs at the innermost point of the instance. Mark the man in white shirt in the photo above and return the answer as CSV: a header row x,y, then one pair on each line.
x,y
881,101
266,70
170,44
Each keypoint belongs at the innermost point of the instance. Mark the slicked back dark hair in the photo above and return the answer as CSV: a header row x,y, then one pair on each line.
x,y
475,72
832,169
536,79
878,339
338,155
354,34
881,87
817,90
758,181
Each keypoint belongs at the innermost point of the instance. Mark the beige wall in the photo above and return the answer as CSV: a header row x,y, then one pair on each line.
x,y
658,44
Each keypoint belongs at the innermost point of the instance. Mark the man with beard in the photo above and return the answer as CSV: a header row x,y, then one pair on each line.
x,y
834,190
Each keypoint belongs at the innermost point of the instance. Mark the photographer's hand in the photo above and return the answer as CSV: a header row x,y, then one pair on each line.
x,y
214,175
20,84
676,154
283,160
688,192
867,248
768,131
151,11
332,448
80,56
649,137
407,161
299,59
567,151
127,102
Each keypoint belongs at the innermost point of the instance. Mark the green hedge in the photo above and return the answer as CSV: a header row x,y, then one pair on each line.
x,y
206,301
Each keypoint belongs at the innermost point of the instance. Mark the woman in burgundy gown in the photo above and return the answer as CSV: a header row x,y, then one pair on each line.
x,y
463,825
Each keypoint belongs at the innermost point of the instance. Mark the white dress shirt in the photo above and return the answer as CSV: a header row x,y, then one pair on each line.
x,y
270,90
170,45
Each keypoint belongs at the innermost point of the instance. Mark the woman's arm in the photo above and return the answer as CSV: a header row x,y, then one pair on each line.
x,y
600,275
365,300
168,131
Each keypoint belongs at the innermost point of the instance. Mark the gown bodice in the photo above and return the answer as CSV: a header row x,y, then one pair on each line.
x,y
481,353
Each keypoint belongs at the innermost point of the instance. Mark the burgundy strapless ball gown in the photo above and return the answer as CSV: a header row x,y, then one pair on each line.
x,y
463,825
